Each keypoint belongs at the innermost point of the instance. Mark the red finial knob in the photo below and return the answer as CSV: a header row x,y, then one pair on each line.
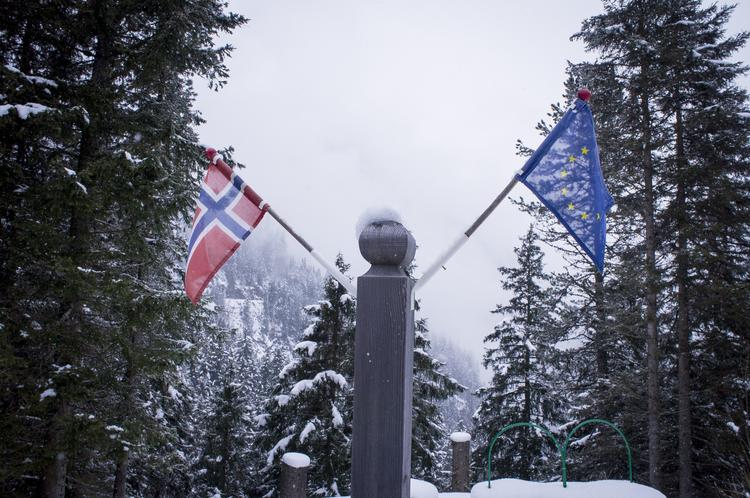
x,y
210,153
584,94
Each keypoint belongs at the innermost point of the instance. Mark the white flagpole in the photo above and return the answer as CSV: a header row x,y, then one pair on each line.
x,y
464,237
332,270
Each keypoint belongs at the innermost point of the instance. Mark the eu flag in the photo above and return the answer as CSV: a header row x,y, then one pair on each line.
x,y
565,174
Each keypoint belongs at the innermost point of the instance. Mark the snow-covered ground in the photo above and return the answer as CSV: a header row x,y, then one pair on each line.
x,y
517,488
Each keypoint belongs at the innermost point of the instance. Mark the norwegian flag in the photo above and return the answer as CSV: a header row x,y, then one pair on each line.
x,y
228,210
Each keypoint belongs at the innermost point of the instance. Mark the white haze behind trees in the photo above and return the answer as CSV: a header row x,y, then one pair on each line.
x,y
337,106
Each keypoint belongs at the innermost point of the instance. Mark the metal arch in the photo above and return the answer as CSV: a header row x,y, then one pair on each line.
x,y
564,452
511,426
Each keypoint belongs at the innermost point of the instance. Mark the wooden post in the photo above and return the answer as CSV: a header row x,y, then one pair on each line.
x,y
294,475
460,443
383,359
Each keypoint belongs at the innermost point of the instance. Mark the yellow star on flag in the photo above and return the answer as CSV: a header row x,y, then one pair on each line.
x,y
564,173
598,216
584,150
571,206
584,216
564,191
572,158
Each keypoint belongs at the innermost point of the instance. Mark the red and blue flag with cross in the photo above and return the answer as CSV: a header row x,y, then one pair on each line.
x,y
227,212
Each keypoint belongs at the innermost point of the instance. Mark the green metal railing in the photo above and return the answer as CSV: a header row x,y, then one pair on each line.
x,y
512,426
562,450
583,424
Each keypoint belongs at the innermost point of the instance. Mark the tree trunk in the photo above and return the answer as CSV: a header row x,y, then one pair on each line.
x,y
683,329
121,475
652,332
53,482
600,333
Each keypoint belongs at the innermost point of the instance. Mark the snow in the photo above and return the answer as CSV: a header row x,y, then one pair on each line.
x,y
48,393
346,298
745,115
683,22
296,460
518,488
376,215
282,399
460,437
83,187
261,419
733,426
422,489
244,315
310,346
287,368
280,446
34,79
338,420
309,330
115,428
301,386
306,432
584,439
69,171
24,110
305,384
173,393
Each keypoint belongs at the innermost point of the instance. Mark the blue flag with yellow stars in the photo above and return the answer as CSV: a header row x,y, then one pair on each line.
x,y
565,174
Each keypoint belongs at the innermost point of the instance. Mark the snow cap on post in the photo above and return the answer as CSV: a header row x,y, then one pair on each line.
x,y
296,460
584,94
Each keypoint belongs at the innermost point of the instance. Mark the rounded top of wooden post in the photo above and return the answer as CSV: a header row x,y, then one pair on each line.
x,y
387,243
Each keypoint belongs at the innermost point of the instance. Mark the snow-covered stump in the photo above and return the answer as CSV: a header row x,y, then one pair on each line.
x,y
293,482
460,446
383,359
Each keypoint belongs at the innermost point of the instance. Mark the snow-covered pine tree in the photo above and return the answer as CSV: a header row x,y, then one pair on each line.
x,y
626,35
431,387
521,356
226,463
461,365
666,85
310,410
99,162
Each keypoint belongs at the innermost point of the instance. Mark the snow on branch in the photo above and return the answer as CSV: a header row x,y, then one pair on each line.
x,y
38,80
306,384
310,346
24,110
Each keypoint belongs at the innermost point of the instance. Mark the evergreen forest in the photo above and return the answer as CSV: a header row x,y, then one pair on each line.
x,y
112,383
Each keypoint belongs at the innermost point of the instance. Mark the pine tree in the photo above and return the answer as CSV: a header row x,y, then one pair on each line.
x,y
226,456
668,106
431,387
311,408
708,171
521,357
99,160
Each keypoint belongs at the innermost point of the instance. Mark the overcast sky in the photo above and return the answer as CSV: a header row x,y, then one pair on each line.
x,y
340,106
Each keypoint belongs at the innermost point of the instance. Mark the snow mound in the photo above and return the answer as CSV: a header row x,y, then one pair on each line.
x,y
422,489
518,488
376,215
296,460
460,437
